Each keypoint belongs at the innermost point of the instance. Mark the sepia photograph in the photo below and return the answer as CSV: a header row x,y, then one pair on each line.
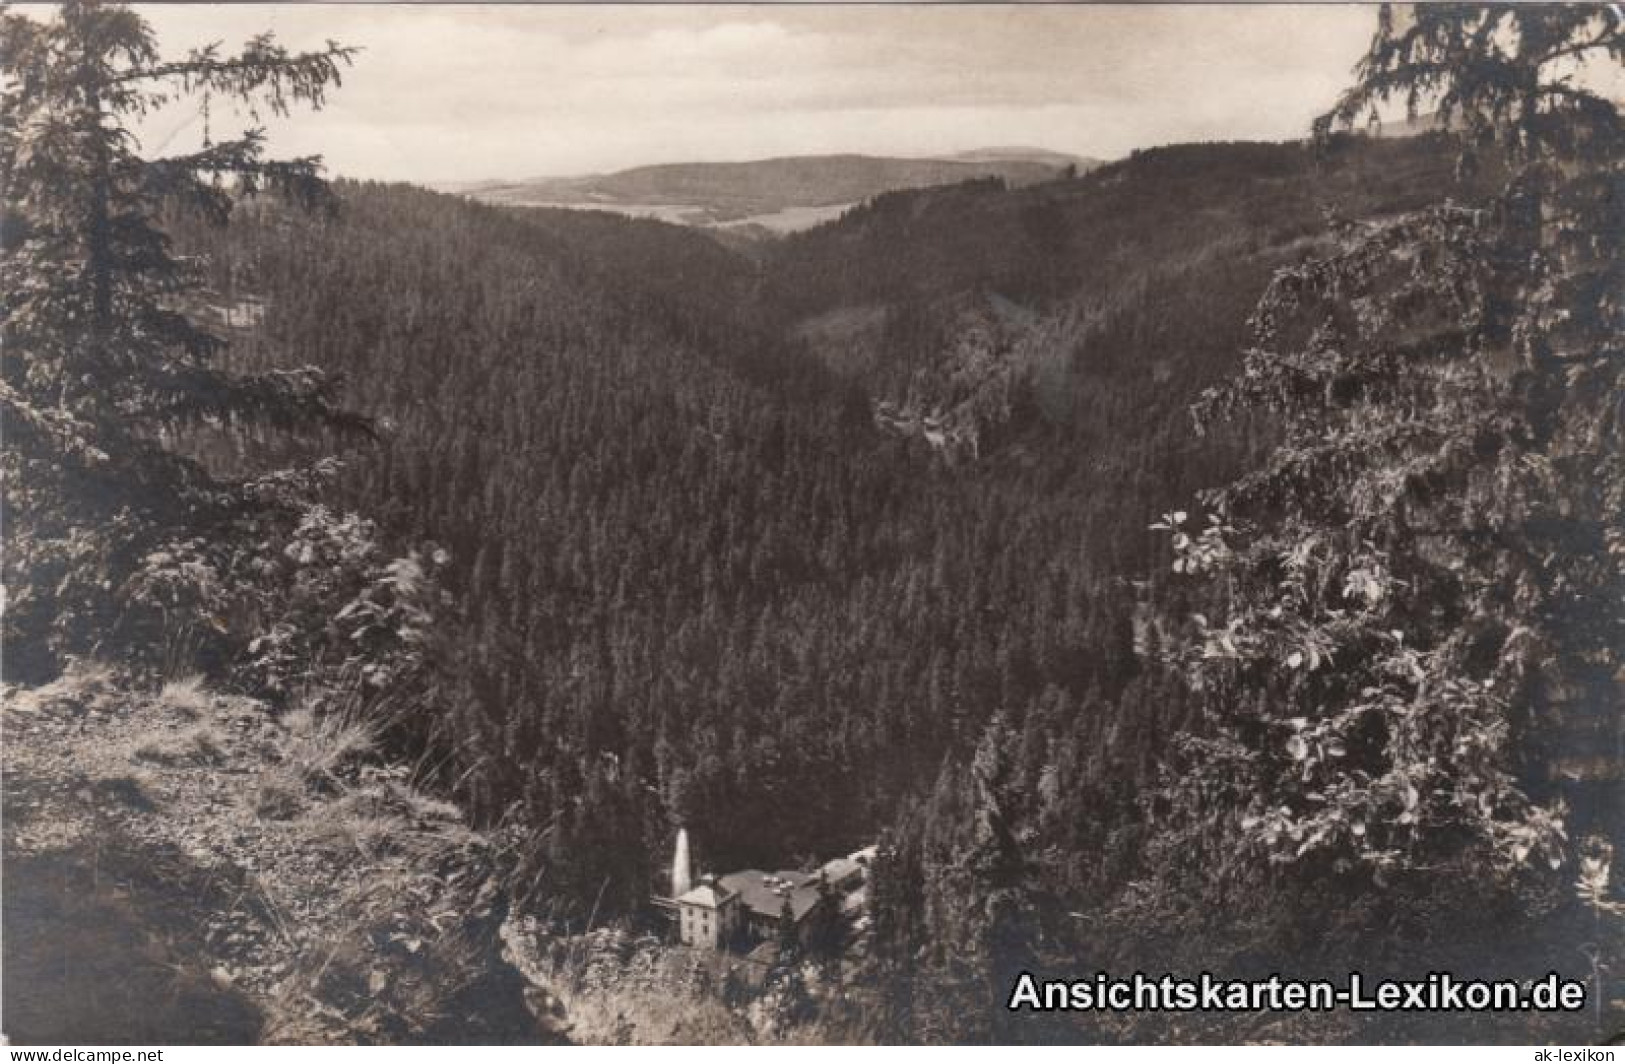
x,y
815,524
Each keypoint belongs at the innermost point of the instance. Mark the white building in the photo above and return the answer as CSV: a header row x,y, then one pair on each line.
x,y
709,915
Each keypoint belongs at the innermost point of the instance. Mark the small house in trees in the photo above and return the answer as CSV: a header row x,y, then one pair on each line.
x,y
749,906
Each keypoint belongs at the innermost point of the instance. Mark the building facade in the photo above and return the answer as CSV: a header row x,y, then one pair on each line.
x,y
709,915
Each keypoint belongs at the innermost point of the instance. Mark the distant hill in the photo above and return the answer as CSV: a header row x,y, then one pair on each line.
x,y
1018,153
1406,126
784,194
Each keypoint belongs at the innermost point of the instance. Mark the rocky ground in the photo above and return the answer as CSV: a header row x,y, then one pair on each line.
x,y
185,867
612,987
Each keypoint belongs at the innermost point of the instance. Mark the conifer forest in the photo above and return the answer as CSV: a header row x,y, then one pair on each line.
x,y
428,609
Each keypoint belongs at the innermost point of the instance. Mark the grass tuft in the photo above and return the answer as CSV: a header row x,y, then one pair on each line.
x,y
187,696
200,744
319,746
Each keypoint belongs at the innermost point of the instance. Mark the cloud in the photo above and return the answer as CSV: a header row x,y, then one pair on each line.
x,y
469,91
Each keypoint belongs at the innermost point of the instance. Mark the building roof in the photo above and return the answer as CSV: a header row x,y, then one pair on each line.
x,y
760,891
841,869
712,895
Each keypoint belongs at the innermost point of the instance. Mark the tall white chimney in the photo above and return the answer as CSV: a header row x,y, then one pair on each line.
x,y
682,870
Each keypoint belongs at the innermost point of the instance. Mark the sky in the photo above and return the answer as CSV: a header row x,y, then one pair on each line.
x,y
462,92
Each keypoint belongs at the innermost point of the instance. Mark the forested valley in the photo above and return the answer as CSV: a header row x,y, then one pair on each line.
x,y
697,584
863,535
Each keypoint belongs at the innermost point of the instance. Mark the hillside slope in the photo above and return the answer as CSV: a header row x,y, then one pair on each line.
x,y
184,866
1225,214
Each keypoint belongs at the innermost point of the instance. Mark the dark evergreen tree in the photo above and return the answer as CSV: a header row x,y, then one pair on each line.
x,y
104,362
1005,924
896,902
788,936
826,930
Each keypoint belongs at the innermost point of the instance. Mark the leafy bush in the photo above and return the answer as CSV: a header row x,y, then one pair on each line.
x,y
1417,631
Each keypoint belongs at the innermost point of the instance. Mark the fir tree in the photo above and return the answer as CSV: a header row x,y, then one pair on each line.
x,y
103,362
826,930
1004,925
789,935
